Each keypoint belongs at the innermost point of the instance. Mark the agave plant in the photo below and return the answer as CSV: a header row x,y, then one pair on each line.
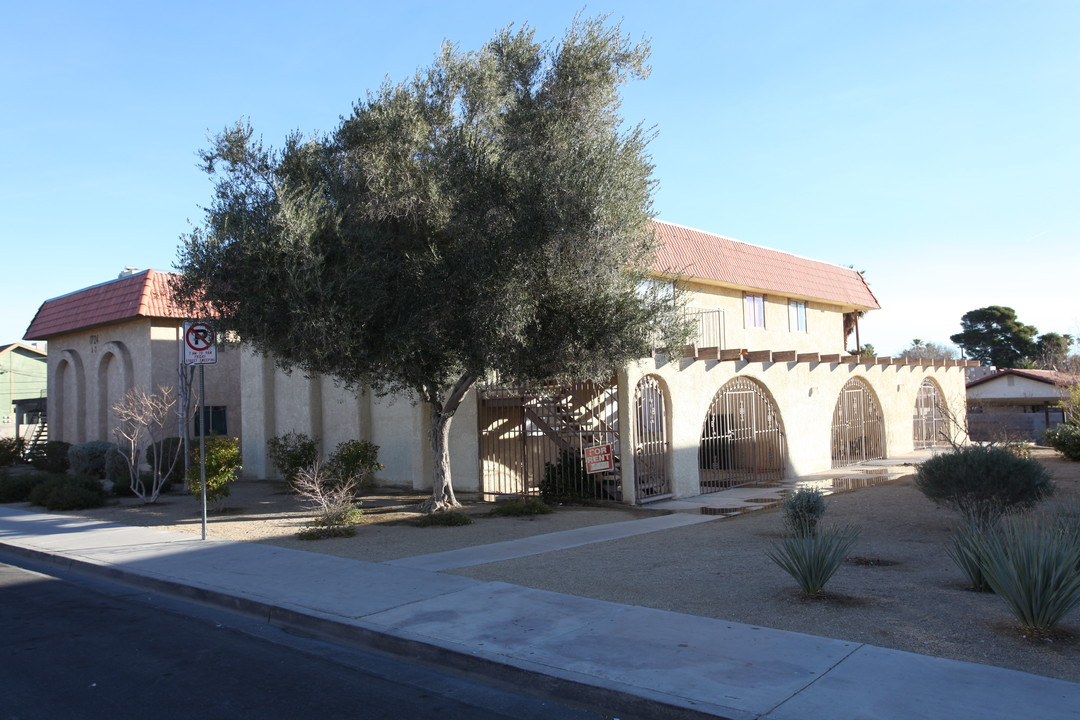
x,y
968,544
1035,568
813,558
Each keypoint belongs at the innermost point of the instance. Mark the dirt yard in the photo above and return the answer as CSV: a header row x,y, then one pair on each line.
x,y
898,589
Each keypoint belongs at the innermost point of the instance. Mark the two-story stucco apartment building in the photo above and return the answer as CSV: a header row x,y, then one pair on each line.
x,y
767,389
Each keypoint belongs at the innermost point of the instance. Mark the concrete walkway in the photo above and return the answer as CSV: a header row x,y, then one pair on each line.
x,y
623,660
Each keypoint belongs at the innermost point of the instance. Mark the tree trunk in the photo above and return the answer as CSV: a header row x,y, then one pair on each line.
x,y
442,487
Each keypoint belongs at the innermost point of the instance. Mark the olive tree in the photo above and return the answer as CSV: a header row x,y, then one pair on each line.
x,y
490,216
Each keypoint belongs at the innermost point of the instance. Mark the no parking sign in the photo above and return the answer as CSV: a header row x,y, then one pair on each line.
x,y
200,346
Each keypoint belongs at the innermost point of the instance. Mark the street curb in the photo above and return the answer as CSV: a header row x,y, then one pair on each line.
x,y
616,699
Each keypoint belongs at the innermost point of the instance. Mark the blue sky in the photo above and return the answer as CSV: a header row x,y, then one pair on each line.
x,y
933,145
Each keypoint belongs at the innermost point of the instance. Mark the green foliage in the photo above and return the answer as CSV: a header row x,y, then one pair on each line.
x,y
11,449
521,507
802,510
356,461
444,518
565,481
222,463
52,457
172,460
491,214
1034,566
117,467
983,482
813,559
17,488
88,458
1052,350
68,492
291,453
993,336
921,350
1065,439
966,551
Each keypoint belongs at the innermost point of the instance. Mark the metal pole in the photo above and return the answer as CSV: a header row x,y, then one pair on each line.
x,y
202,442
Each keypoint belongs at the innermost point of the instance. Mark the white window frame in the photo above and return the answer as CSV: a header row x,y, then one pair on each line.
x,y
754,310
797,315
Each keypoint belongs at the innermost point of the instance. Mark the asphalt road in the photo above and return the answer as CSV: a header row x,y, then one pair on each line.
x,y
79,648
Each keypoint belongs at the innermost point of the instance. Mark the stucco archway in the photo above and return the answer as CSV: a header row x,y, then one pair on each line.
x,y
858,426
652,440
742,438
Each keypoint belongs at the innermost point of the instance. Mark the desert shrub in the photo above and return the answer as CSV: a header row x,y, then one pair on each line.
x,y
565,481
16,488
982,483
11,450
88,458
356,461
117,467
521,507
813,559
802,510
1034,567
222,463
171,464
444,518
291,453
51,457
966,551
1065,439
333,501
68,492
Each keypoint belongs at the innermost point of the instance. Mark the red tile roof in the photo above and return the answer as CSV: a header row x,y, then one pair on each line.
x,y
143,294
699,255
1052,377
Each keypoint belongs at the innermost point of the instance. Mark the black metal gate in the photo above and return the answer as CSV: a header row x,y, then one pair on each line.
x,y
532,441
742,439
652,447
858,428
931,428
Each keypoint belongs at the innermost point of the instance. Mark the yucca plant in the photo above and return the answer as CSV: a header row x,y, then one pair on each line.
x,y
967,552
1033,567
813,558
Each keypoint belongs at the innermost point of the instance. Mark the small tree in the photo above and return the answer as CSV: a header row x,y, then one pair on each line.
x,y
489,216
143,418
920,350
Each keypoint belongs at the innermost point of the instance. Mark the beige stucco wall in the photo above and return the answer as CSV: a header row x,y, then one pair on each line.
x,y
90,371
824,323
276,402
804,394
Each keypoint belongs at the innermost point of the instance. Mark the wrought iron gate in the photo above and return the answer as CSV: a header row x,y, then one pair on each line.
x,y
533,440
931,428
652,447
742,439
858,428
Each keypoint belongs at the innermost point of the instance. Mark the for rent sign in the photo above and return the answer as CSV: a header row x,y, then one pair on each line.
x,y
599,459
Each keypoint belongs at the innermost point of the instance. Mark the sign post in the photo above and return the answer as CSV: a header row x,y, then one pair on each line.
x,y
200,348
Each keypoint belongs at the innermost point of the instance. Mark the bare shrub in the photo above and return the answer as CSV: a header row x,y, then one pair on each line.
x,y
333,502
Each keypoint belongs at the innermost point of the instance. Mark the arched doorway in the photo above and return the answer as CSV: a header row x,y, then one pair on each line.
x,y
742,438
930,422
858,428
652,445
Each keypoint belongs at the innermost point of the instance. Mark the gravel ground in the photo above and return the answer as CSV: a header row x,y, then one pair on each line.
x,y
898,590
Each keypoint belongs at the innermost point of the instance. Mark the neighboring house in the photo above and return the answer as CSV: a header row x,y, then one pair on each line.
x,y
766,390
1017,404
23,372
107,339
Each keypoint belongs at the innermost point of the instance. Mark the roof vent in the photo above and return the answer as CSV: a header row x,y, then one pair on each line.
x,y
128,271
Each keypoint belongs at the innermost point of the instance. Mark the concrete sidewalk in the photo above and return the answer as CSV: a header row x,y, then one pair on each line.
x,y
626,661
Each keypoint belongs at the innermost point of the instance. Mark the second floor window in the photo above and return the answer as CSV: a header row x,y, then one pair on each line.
x,y
754,310
797,316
